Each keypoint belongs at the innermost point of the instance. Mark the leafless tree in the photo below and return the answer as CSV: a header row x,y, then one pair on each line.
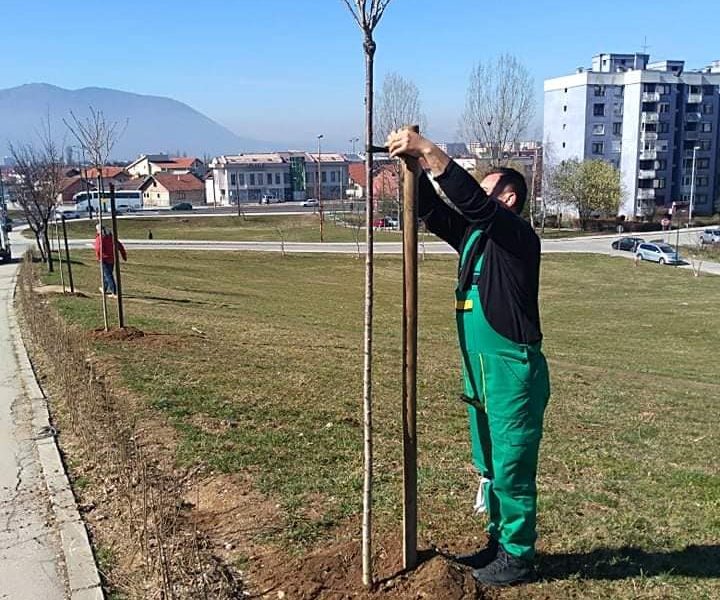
x,y
367,14
500,104
40,172
96,137
398,106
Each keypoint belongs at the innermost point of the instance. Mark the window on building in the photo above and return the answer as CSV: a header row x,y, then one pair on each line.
x,y
659,183
598,110
333,174
268,178
660,165
598,148
649,145
648,87
286,178
598,129
241,178
323,176
691,126
701,181
705,144
663,127
277,178
663,107
706,127
703,163
599,91
662,89
232,179
617,128
252,178
695,89
707,109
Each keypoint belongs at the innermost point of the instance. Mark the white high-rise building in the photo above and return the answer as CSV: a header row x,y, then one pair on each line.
x,y
651,120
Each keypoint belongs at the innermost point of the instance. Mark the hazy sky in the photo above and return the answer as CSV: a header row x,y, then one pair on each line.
x,y
284,70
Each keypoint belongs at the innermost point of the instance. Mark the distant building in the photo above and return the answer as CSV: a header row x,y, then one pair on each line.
x,y
454,149
647,119
284,175
150,164
164,190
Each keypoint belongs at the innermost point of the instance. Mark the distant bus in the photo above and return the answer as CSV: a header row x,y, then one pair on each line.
x,y
124,200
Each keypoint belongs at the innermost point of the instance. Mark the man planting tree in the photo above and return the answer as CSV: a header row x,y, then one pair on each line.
x,y
505,375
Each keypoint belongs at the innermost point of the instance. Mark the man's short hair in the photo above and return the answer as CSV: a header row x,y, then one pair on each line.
x,y
514,179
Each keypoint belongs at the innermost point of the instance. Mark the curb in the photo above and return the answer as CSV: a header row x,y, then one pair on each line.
x,y
82,573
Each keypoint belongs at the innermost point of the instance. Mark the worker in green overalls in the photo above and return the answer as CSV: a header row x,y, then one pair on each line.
x,y
505,375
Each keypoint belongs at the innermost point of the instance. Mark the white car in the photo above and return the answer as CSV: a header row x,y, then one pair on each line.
x,y
310,202
659,253
68,214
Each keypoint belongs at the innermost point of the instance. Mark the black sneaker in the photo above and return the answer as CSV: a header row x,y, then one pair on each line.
x,y
481,558
505,570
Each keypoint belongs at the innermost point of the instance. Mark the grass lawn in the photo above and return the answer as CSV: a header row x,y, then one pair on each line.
x,y
295,228
629,478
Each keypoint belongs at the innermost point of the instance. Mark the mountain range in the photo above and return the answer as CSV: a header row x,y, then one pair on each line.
x,y
154,124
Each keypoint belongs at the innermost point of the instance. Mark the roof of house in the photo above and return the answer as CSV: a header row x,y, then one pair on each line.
x,y
356,171
107,172
249,159
177,163
184,182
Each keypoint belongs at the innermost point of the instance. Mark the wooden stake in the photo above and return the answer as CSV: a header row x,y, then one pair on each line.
x,y
67,256
118,283
409,379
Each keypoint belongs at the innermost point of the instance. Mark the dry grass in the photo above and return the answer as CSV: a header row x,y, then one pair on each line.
x,y
260,373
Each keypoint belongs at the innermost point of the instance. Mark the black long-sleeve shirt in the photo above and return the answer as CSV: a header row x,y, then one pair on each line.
x,y
509,280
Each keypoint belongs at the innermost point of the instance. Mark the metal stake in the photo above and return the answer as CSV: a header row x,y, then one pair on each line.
x,y
118,284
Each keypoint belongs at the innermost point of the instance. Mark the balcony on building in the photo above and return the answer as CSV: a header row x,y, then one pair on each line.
x,y
650,117
693,116
646,174
651,97
646,194
648,155
694,98
649,135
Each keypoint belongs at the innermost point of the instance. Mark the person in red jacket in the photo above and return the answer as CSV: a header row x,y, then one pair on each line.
x,y
105,253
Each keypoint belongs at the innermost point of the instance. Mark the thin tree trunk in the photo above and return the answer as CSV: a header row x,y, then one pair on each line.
x,y
48,250
100,223
369,46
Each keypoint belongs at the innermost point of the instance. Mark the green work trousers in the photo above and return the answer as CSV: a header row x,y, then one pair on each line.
x,y
507,388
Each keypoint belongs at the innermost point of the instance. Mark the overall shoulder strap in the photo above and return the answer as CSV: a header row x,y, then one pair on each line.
x,y
474,246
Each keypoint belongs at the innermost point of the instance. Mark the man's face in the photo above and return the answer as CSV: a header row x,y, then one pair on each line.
x,y
506,195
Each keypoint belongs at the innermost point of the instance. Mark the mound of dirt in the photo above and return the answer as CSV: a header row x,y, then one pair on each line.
x,y
335,573
117,334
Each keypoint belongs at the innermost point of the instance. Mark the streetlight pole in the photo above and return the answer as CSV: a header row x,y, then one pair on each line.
x,y
353,141
692,185
319,193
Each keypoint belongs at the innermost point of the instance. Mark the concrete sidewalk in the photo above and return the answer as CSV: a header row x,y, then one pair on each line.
x,y
31,564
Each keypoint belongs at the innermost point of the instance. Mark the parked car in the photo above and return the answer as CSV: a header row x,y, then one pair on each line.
x,y
627,244
182,206
269,199
710,236
310,202
392,222
659,253
67,213
123,208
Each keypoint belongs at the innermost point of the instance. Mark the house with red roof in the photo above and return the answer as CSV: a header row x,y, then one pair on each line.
x,y
164,190
150,164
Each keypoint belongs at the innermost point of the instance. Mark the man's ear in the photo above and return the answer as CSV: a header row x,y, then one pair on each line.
x,y
510,200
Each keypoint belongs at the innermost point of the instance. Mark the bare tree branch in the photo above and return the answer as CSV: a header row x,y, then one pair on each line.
x,y
500,104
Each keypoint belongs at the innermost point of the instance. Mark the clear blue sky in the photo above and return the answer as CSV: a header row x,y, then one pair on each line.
x,y
284,70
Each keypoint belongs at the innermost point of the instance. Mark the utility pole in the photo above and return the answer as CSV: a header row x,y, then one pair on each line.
x,y
118,283
410,177
692,185
67,256
319,192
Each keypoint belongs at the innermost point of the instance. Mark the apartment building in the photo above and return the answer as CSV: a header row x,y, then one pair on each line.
x,y
284,175
656,122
